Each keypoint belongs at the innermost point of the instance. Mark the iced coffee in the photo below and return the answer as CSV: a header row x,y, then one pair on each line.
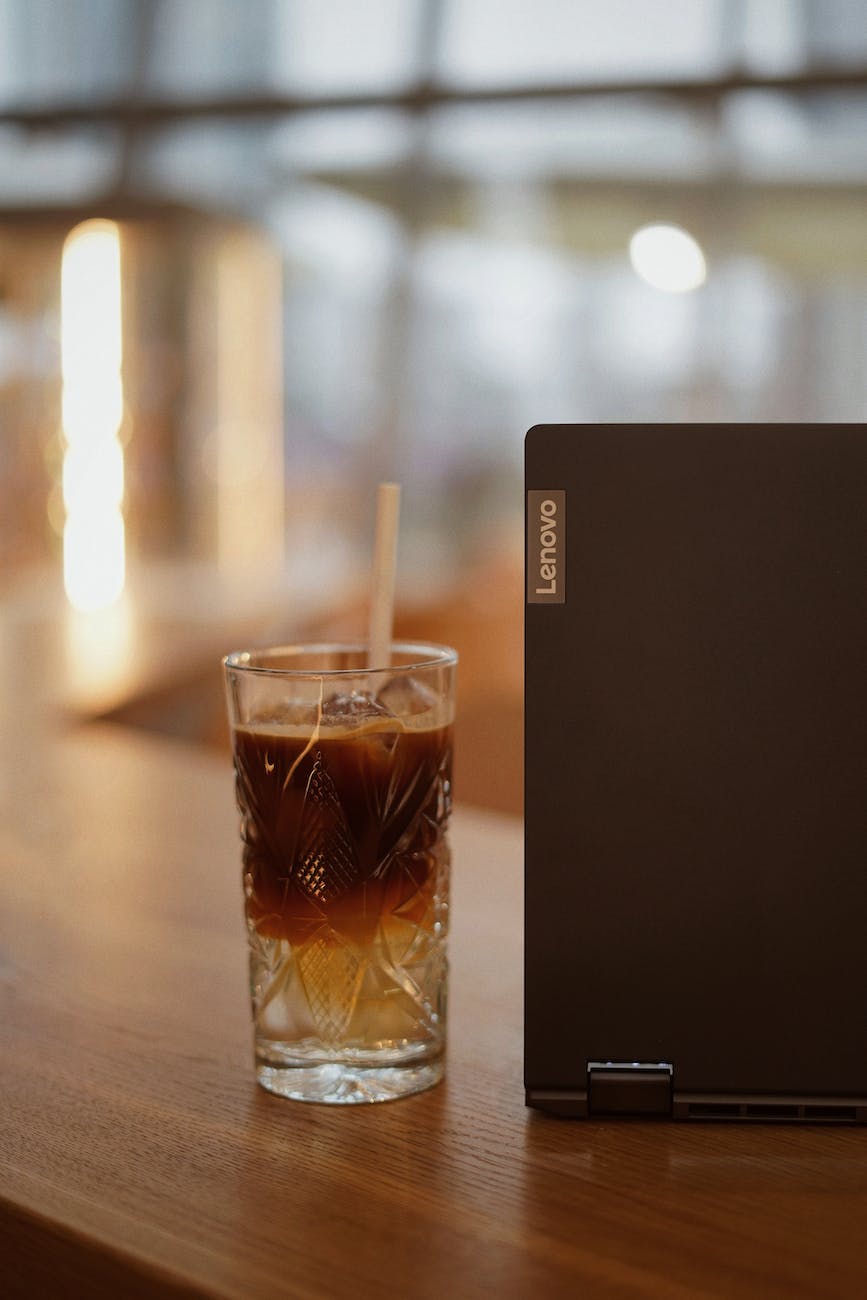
x,y
343,779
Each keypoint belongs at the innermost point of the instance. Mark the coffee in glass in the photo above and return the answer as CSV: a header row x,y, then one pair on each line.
x,y
343,778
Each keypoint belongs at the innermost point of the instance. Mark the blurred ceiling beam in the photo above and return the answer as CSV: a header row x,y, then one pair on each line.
x,y
110,207
803,226
807,226
141,114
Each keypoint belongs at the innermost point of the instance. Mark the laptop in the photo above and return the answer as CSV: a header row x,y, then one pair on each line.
x,y
696,771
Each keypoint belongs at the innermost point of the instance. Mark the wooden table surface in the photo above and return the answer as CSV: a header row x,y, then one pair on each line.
x,y
138,1157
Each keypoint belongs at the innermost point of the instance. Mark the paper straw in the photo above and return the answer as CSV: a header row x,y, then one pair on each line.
x,y
384,564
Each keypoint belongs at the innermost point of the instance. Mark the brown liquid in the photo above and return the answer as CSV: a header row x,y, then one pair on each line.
x,y
340,836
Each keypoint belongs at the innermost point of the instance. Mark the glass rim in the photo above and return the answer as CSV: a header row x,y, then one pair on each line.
x,y
423,654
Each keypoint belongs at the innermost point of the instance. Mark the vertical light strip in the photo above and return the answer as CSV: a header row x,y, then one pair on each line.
x,y
94,563
249,401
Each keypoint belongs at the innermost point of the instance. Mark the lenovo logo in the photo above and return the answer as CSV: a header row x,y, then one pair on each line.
x,y
546,548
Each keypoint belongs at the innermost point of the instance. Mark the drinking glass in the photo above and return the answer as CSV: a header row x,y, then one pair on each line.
x,y
343,781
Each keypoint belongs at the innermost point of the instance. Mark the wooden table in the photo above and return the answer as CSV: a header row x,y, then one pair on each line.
x,y
138,1157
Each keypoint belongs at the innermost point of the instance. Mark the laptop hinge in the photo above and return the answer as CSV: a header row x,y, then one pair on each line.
x,y
570,1103
629,1087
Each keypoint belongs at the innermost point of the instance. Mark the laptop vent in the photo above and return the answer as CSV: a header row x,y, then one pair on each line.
x,y
806,1112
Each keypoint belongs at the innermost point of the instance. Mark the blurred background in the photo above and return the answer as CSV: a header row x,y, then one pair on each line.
x,y
256,256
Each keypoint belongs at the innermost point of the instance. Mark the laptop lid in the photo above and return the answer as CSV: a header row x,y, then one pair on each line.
x,y
696,770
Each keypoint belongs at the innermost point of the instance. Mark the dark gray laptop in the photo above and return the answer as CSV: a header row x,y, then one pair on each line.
x,y
696,771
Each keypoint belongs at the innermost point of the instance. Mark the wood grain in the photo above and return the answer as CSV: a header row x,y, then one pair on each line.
x,y
138,1157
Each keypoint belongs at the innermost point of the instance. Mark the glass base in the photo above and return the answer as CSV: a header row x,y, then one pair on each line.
x,y
345,1083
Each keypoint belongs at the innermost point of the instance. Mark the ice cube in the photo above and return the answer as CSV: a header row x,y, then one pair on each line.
x,y
404,696
292,713
352,709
